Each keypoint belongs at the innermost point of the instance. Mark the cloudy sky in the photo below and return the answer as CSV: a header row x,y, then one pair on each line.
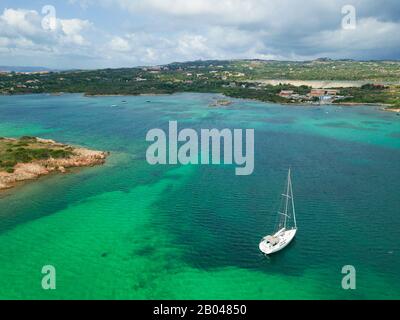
x,y
113,33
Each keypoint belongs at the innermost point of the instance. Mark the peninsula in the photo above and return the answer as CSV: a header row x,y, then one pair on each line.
x,y
28,158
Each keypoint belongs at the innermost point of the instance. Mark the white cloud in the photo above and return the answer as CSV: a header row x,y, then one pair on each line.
x,y
138,48
22,21
19,23
226,10
21,30
119,44
369,34
161,31
214,43
276,14
4,42
189,45
72,29
275,29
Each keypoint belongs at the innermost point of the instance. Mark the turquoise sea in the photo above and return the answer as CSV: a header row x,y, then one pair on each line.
x,y
128,230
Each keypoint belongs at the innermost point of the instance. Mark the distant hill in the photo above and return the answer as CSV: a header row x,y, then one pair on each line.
x,y
261,80
23,69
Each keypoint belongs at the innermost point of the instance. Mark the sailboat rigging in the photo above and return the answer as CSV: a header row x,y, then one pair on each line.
x,y
287,224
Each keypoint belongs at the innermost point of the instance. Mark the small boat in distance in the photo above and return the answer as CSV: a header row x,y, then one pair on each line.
x,y
286,226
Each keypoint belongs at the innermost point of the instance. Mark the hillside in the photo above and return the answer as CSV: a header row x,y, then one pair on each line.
x,y
237,78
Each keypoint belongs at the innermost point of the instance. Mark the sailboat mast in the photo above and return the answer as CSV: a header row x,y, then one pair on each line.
x,y
291,197
287,198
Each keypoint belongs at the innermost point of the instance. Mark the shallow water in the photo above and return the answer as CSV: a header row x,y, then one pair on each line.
x,y
134,231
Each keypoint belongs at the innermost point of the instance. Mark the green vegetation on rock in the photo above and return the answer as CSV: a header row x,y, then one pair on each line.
x,y
27,149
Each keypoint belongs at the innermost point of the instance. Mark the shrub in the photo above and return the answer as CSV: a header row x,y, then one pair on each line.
x,y
10,170
28,138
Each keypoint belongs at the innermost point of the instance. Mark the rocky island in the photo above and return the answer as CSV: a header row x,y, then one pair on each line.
x,y
28,158
220,103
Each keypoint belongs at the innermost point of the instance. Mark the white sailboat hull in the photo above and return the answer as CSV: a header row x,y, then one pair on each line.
x,y
282,238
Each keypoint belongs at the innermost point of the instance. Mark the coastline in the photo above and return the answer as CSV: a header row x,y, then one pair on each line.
x,y
382,106
124,95
397,110
32,170
323,84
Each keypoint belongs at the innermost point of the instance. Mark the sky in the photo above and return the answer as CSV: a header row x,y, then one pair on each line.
x,y
65,34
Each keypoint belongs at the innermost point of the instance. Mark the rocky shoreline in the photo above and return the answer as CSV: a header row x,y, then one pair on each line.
x,y
397,110
32,170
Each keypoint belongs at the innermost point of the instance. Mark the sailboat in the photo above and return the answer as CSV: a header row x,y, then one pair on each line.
x,y
287,226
